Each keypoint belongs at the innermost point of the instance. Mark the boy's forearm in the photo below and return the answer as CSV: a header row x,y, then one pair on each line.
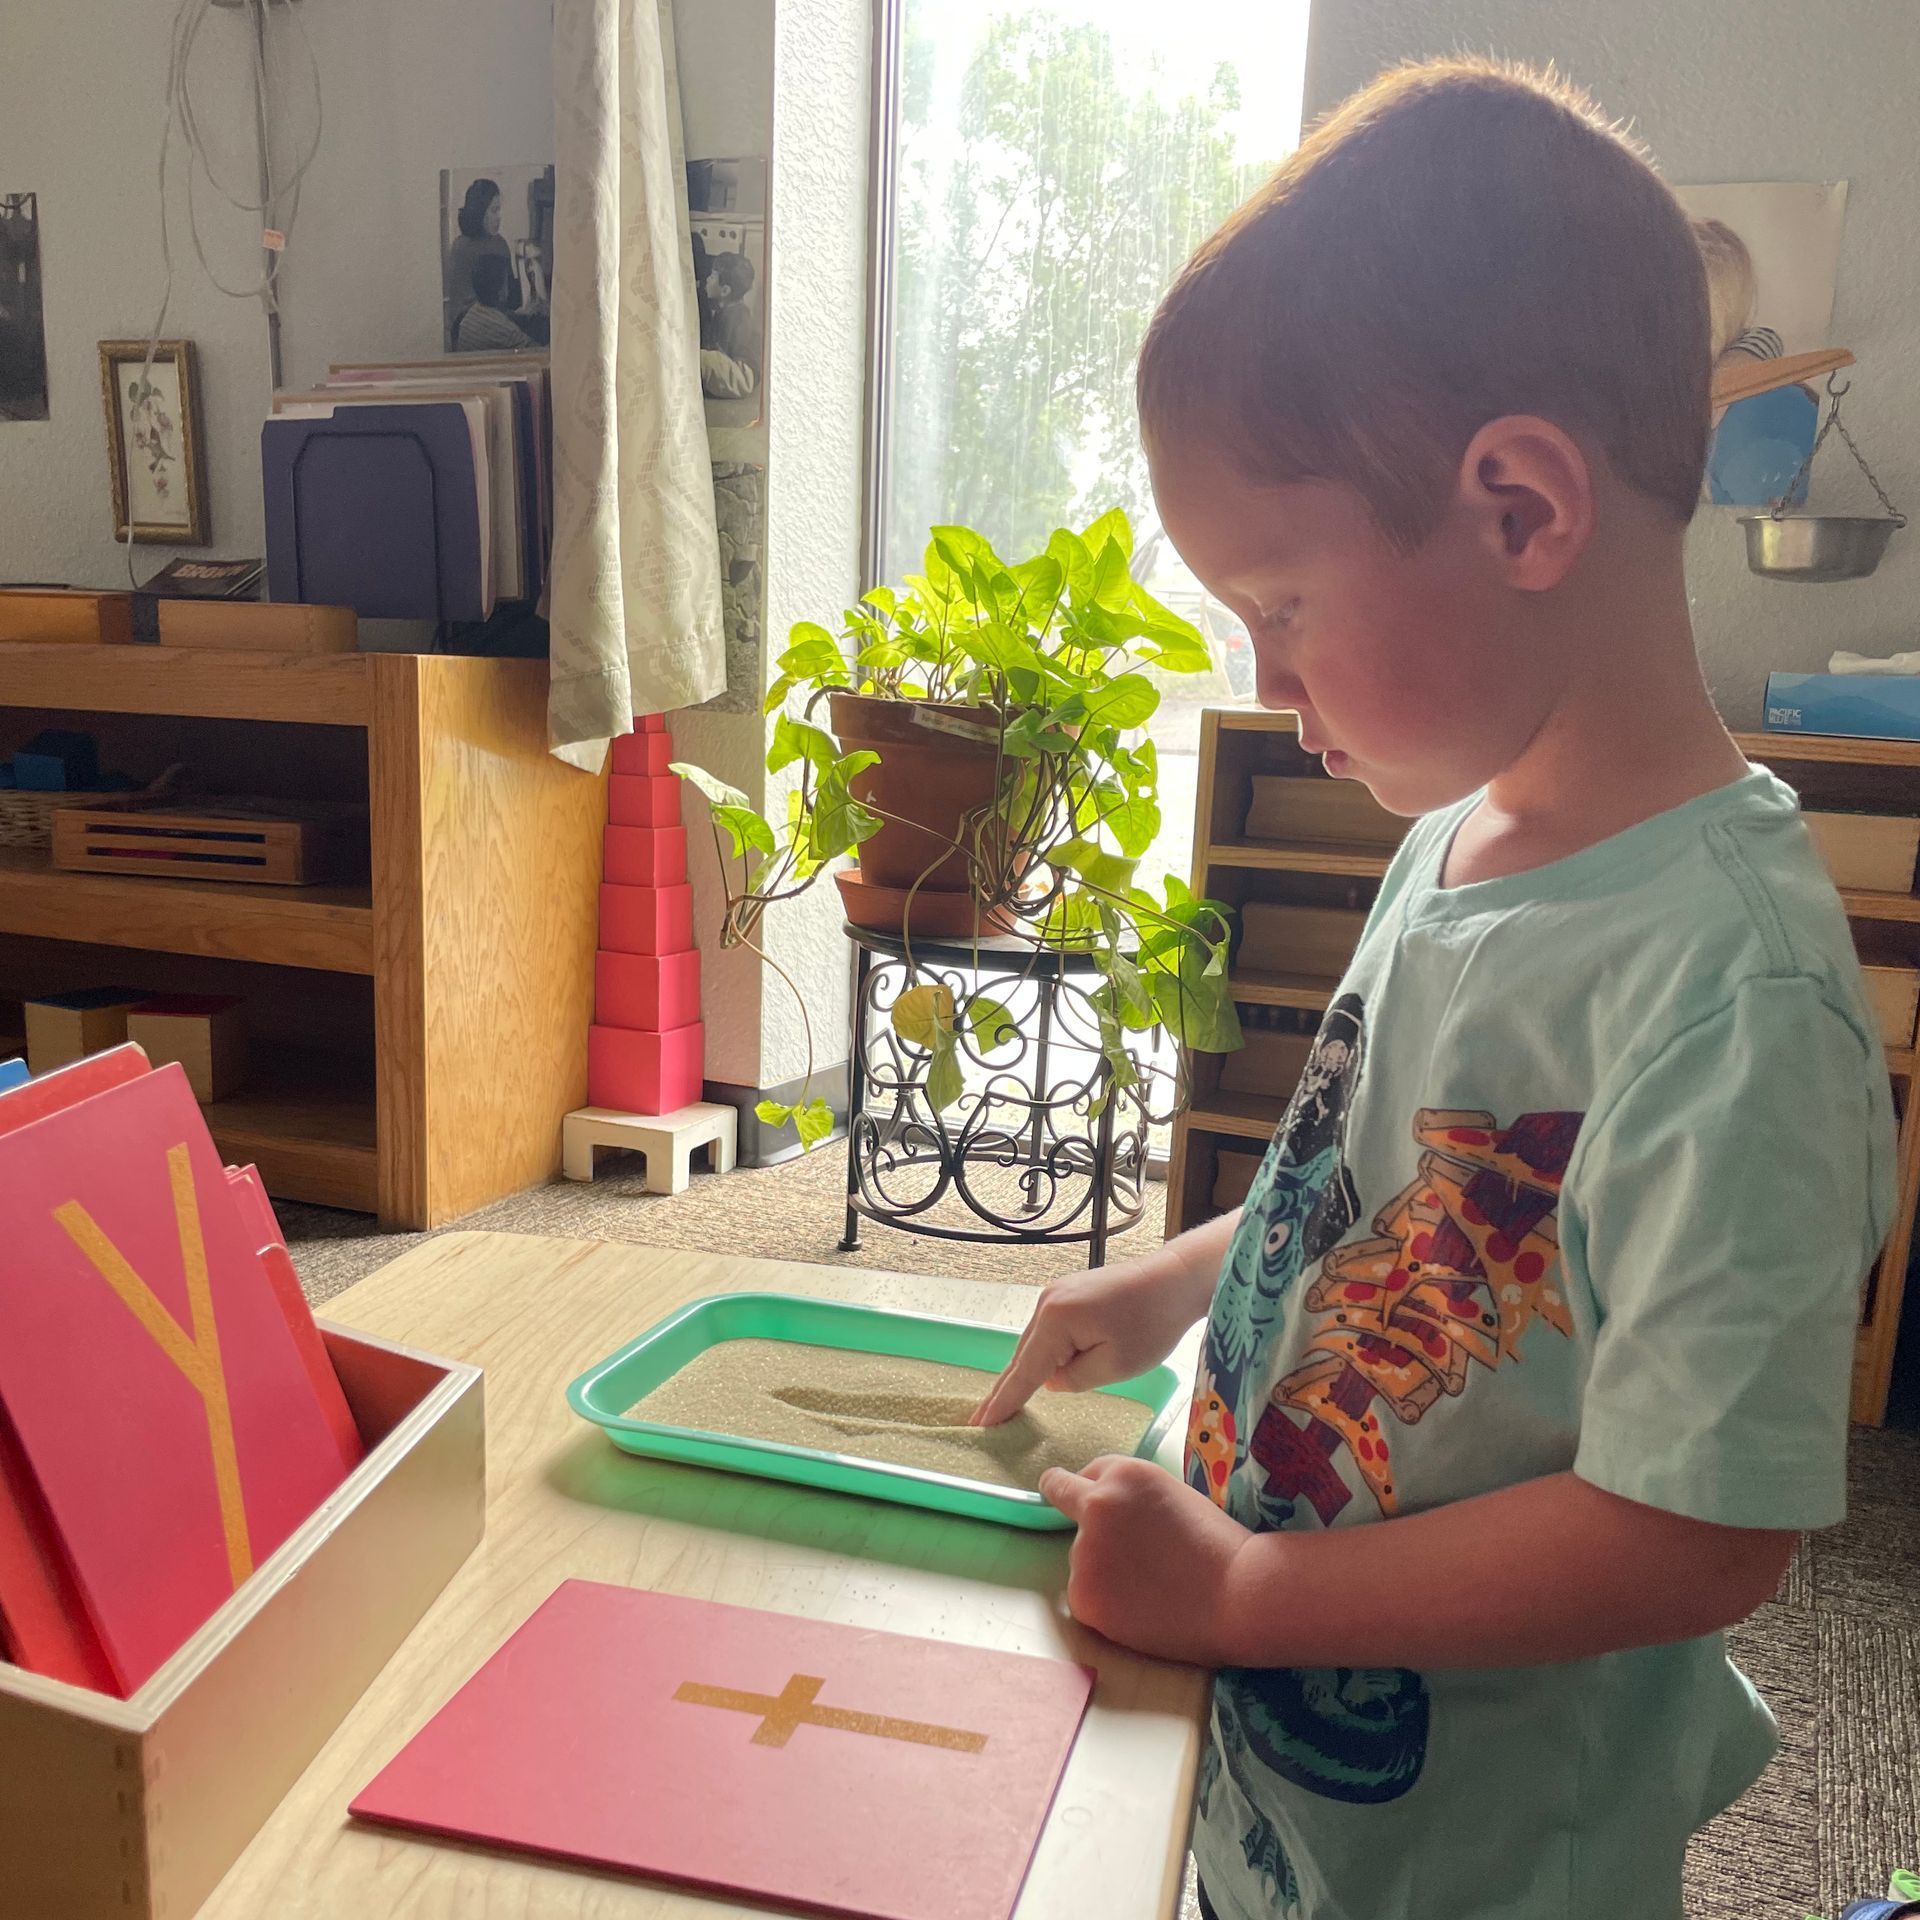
x,y
1190,1262
1550,1570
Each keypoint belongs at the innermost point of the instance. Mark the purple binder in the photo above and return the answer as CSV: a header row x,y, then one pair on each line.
x,y
375,508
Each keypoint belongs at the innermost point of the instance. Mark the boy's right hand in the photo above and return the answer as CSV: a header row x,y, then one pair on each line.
x,y
1088,1332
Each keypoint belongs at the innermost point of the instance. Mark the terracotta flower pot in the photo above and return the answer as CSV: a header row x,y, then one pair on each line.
x,y
930,779
931,916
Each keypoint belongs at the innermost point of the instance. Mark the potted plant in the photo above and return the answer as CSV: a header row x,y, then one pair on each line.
x,y
984,760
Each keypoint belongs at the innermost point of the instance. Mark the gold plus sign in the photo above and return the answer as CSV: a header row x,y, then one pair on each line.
x,y
794,1707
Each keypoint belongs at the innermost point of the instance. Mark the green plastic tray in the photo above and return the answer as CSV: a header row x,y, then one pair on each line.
x,y
604,1392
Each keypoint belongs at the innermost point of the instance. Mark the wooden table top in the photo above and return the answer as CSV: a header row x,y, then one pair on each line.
x,y
563,1503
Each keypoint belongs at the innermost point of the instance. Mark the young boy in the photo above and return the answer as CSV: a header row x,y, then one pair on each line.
x,y
1553,1265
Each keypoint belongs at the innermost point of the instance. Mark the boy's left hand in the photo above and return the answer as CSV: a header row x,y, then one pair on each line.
x,y
1149,1564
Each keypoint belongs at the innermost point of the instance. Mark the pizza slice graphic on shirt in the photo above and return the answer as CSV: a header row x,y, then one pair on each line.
x,y
1324,1389
1407,1377
1523,1268
1461,1262
1458,1308
1533,1152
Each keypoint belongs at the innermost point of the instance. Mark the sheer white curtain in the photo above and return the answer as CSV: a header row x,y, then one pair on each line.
x,y
634,597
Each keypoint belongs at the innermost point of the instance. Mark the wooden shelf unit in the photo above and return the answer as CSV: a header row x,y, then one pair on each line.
x,y
1881,776
475,929
327,928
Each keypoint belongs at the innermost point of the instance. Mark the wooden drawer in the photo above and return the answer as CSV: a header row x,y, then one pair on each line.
x,y
1268,1064
1870,851
1339,813
1314,943
1893,995
1233,1171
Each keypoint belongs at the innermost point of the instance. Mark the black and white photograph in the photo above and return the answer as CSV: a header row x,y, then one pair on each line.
x,y
496,257
740,514
727,206
23,340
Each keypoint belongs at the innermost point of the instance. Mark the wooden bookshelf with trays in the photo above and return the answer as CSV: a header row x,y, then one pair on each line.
x,y
418,1034
1302,877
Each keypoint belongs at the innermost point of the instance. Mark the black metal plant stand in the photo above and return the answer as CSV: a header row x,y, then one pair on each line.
x,y
1028,1109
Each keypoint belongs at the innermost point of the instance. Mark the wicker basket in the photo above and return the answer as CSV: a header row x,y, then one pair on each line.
x,y
26,818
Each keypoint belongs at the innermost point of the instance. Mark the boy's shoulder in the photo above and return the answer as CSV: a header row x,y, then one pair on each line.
x,y
1653,928
1732,877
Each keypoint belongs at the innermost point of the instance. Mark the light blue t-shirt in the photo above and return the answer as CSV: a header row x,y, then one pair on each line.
x,y
1585,1172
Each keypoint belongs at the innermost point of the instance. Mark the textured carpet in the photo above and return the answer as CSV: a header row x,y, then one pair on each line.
x,y
1837,1653
794,1211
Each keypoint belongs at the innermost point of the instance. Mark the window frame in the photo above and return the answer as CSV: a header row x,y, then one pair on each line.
x,y
883,155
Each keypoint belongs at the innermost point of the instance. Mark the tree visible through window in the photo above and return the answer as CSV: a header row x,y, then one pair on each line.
x,y
1057,163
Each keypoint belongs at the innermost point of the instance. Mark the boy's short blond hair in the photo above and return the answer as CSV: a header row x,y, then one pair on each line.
x,y
1465,239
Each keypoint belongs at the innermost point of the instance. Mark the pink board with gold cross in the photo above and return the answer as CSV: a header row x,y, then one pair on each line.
x,y
787,1760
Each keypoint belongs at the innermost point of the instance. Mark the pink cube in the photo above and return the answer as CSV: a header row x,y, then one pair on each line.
x,y
649,992
649,723
643,753
635,1072
642,800
646,856
646,919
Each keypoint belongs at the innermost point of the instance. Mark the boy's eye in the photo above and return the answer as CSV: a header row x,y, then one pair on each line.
x,y
1277,619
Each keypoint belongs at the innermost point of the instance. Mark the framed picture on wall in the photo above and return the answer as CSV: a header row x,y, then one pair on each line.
x,y
154,455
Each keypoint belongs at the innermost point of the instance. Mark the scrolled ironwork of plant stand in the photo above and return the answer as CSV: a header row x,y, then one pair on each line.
x,y
1025,1126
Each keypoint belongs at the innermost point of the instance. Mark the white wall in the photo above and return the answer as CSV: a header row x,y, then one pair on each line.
x,y
80,119
407,90
790,81
410,89
725,52
816,388
1740,90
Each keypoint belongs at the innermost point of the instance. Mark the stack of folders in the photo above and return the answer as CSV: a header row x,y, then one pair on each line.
x,y
412,490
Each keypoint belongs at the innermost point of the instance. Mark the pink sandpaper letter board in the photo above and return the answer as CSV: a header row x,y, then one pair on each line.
x,y
756,1754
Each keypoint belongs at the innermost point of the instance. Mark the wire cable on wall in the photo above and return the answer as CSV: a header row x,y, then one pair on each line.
x,y
183,121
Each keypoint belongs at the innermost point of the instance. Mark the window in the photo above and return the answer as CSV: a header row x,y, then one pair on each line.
x,y
1044,168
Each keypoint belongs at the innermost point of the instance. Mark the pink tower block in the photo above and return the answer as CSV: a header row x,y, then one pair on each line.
x,y
636,1072
650,992
646,919
646,856
640,800
646,754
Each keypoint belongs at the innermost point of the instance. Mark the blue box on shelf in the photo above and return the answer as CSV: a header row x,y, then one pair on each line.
x,y
1854,706
57,761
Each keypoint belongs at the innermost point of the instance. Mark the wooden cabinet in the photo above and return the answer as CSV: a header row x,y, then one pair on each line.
x,y
1320,879
419,1034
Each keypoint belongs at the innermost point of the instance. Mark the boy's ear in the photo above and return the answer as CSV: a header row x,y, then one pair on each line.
x,y
1528,489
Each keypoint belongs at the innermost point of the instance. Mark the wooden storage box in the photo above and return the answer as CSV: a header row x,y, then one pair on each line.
x,y
223,839
1268,1065
1893,996
1313,943
1873,852
1337,813
205,1033
1233,1172
134,1809
263,626
52,613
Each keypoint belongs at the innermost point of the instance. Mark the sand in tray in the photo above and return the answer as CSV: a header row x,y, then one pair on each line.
x,y
910,1413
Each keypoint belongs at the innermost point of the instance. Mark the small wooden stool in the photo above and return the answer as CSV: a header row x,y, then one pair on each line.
x,y
667,1139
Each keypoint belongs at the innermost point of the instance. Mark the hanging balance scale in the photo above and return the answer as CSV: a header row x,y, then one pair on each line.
x,y
1817,547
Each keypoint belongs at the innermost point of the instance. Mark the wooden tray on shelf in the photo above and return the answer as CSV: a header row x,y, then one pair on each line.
x,y
229,838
